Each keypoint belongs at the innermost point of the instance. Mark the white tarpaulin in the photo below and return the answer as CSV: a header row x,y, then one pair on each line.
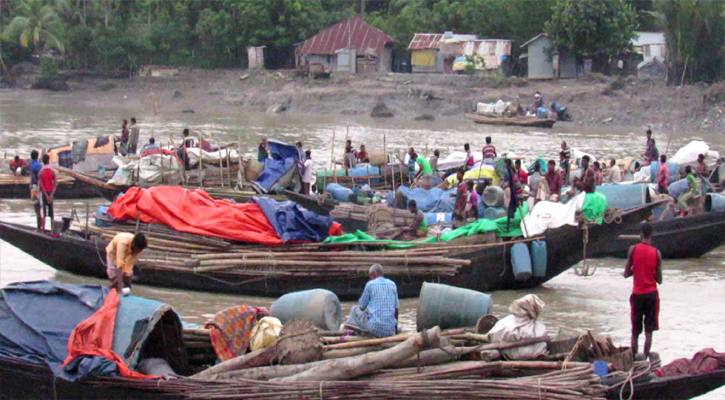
x,y
522,324
492,108
549,215
212,157
148,169
689,153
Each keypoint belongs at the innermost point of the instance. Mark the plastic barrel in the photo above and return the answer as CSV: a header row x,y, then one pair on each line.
x,y
377,159
714,202
363,171
538,258
625,196
252,171
450,306
339,192
521,261
494,212
319,306
102,217
678,188
493,196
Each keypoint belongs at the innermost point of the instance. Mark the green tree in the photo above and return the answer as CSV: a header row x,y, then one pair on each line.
x,y
37,24
695,33
593,29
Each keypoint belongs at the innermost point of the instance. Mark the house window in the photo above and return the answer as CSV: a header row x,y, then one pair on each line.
x,y
646,50
491,48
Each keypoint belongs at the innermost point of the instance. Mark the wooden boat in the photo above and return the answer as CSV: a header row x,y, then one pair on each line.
x,y
674,387
513,121
109,192
688,237
18,187
467,263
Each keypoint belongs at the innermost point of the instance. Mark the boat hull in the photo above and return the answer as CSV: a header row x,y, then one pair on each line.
x,y
676,387
21,380
512,121
688,237
65,191
490,267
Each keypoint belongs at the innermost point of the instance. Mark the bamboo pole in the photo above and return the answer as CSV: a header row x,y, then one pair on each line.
x,y
201,157
161,163
389,339
221,168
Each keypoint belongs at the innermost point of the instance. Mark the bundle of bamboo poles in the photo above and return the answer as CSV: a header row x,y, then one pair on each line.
x,y
374,215
574,381
199,350
414,262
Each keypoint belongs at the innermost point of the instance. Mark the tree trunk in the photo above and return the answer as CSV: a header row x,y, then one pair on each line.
x,y
353,367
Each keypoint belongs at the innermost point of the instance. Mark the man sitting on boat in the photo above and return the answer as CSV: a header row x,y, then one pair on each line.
x,y
362,155
550,187
378,310
418,228
19,167
489,152
121,255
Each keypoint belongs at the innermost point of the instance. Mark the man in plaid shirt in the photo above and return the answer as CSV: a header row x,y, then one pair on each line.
x,y
378,311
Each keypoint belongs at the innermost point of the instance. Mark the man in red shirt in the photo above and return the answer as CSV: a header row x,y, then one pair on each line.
x,y
644,262
18,166
47,185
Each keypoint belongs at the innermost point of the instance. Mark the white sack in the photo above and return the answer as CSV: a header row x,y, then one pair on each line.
x,y
523,324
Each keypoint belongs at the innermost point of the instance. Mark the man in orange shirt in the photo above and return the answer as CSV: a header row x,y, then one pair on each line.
x,y
121,255
644,263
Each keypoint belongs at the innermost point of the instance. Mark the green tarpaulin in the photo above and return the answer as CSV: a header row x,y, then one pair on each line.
x,y
474,228
595,204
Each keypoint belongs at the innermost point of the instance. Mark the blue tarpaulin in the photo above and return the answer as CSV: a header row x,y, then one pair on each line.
x,y
293,222
37,318
284,158
282,150
434,200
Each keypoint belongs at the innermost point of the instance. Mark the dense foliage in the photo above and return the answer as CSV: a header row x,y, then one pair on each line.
x,y
119,36
593,29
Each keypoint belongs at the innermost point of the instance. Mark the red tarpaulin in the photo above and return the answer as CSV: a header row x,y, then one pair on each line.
x,y
94,337
194,211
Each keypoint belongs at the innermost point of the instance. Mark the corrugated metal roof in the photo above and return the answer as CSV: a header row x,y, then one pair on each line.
x,y
351,33
425,41
648,38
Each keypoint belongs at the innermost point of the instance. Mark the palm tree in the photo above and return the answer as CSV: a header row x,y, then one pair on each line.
x,y
37,24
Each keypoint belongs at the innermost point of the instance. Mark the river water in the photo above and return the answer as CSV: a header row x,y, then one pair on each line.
x,y
692,313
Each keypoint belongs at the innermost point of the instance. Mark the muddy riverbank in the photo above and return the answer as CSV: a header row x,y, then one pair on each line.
x,y
594,100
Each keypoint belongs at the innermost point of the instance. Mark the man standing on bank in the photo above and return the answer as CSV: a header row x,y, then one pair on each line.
x,y
378,311
644,262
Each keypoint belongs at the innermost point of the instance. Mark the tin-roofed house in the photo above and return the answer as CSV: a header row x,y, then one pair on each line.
x,y
652,48
350,46
542,62
443,52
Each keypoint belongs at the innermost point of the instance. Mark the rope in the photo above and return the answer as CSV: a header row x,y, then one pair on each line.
x,y
584,270
321,389
629,381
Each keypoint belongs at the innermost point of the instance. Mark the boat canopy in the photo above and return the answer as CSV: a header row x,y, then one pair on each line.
x,y
38,319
